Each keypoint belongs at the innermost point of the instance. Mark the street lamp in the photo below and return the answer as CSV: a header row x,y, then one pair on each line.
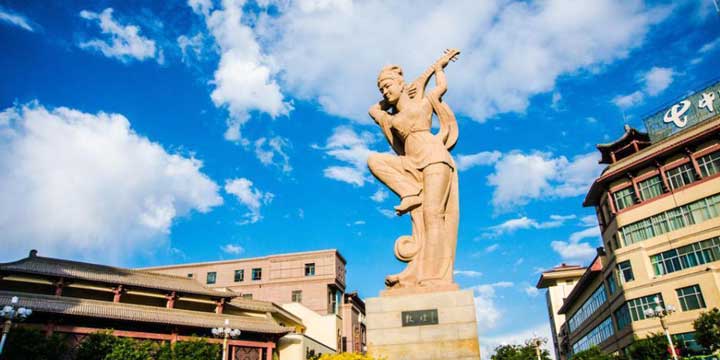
x,y
10,313
537,342
661,313
225,332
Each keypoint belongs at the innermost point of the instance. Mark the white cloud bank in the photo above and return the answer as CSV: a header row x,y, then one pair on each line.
x,y
352,150
78,184
574,250
510,50
122,42
486,310
519,178
524,222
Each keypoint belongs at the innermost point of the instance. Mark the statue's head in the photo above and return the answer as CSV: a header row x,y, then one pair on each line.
x,y
390,83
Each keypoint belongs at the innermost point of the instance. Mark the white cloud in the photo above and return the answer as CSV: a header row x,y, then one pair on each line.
x,y
79,184
191,46
519,178
464,162
492,248
513,50
516,337
15,19
244,80
487,311
657,80
556,101
123,42
589,220
576,251
467,273
380,195
512,225
252,197
531,291
350,148
232,249
273,151
628,101
387,213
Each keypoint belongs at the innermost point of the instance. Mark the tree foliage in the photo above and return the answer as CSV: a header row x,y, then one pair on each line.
x,y
707,329
653,347
345,356
592,353
31,344
518,352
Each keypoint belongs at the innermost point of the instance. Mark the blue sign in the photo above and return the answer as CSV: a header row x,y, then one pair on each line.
x,y
694,109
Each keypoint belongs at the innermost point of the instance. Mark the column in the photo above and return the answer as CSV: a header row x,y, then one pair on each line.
x,y
635,187
663,176
118,293
170,304
220,304
59,286
694,162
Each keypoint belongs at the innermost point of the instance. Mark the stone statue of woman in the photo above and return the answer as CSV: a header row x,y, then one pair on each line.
x,y
422,174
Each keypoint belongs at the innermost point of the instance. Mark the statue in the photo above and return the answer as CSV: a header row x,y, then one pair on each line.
x,y
423,174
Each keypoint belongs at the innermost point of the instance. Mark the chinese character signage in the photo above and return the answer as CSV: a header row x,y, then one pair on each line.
x,y
419,317
695,108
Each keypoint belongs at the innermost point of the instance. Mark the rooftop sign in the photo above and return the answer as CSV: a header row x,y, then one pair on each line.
x,y
695,108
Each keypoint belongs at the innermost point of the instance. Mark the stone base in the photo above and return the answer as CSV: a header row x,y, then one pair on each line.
x,y
453,337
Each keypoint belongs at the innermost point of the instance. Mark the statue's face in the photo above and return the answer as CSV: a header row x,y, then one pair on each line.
x,y
391,90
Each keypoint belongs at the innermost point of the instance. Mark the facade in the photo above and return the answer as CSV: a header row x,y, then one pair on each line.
x,y
314,279
658,208
559,282
81,298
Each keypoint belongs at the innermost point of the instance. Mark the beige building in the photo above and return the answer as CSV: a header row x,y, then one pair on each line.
x,y
658,206
314,279
559,282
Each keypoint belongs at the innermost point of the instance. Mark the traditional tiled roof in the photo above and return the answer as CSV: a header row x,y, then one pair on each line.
x,y
67,269
262,306
140,313
623,146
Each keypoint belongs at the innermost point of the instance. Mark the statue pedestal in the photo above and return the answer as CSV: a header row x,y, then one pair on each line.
x,y
437,325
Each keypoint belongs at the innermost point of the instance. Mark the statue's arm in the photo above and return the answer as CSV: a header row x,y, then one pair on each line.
x,y
378,112
440,83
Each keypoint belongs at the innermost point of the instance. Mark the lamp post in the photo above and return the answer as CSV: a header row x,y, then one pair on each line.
x,y
661,313
10,313
537,342
225,332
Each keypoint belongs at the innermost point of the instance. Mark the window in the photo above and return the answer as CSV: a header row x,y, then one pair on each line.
x,y
247,296
211,277
190,275
680,176
622,316
650,188
590,305
333,300
625,271
709,164
691,298
310,269
637,306
257,274
239,275
611,283
297,296
677,218
595,336
624,198
687,256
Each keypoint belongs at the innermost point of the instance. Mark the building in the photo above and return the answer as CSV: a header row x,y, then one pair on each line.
x,y
559,282
658,208
80,298
314,279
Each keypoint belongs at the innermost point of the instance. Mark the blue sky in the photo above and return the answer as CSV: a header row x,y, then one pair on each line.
x,y
147,133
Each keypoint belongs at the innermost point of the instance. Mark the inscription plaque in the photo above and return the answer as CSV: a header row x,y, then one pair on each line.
x,y
419,317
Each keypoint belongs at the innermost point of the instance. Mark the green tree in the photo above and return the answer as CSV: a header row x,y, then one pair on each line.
x,y
653,347
31,344
345,356
96,346
707,329
129,349
518,352
196,348
592,353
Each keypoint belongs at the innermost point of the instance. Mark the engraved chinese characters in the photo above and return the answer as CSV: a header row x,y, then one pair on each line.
x,y
422,174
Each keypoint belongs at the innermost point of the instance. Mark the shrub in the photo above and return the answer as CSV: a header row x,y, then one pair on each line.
x,y
345,356
96,346
592,353
653,347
